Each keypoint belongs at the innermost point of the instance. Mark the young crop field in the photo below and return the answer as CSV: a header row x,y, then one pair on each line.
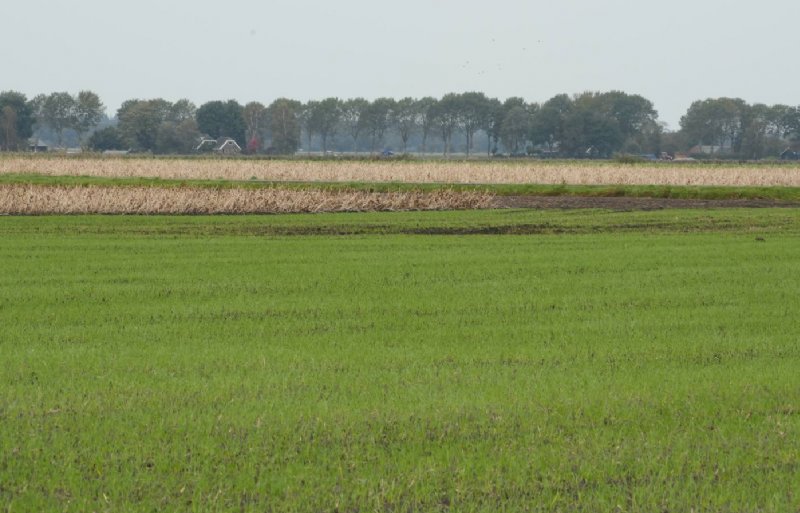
x,y
412,171
512,360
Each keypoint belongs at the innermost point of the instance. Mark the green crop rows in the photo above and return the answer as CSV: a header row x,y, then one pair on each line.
x,y
474,361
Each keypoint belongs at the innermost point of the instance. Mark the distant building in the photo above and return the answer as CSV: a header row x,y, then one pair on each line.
x,y
223,146
38,146
206,145
708,149
789,154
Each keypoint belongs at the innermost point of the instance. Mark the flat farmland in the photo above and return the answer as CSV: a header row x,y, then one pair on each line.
x,y
412,171
511,360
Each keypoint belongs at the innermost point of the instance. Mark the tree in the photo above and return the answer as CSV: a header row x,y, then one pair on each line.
x,y
635,117
715,121
492,125
324,119
445,116
426,110
255,122
586,127
108,138
515,127
58,111
632,112
755,130
306,122
222,119
351,119
176,137
472,111
140,120
547,126
8,126
89,110
404,119
377,117
62,113
181,110
766,130
16,120
787,122
283,119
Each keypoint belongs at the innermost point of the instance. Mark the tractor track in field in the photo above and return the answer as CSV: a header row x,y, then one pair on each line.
x,y
623,203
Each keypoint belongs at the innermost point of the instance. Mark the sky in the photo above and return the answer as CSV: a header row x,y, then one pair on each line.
x,y
672,53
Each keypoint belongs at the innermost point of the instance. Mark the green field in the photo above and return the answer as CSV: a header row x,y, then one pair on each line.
x,y
448,361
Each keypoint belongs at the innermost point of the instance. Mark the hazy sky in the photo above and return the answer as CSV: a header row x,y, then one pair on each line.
x,y
670,52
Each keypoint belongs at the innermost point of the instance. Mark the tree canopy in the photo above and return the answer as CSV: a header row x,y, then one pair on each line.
x,y
16,120
222,119
589,124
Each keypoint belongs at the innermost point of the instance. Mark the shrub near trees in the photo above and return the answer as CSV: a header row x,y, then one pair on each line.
x,y
590,124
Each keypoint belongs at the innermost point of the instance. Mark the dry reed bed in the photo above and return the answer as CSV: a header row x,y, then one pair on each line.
x,y
46,199
483,172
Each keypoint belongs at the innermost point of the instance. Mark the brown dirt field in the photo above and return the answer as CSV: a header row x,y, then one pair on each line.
x,y
627,203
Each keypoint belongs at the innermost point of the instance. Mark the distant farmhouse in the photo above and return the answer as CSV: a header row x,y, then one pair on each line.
x,y
789,154
38,146
222,146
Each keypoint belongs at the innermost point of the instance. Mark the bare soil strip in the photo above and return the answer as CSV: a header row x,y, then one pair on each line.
x,y
631,203
38,199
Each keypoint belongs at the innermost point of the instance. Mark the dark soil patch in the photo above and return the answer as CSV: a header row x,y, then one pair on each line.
x,y
631,203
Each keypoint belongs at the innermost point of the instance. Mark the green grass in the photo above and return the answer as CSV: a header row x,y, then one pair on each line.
x,y
640,191
604,361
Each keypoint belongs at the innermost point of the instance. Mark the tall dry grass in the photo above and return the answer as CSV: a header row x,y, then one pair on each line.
x,y
576,173
45,199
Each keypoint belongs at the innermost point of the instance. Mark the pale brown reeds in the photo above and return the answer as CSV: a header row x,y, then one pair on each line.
x,y
46,199
484,172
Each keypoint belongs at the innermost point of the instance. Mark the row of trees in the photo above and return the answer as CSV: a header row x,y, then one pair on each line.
x,y
607,122
53,114
596,124
730,125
